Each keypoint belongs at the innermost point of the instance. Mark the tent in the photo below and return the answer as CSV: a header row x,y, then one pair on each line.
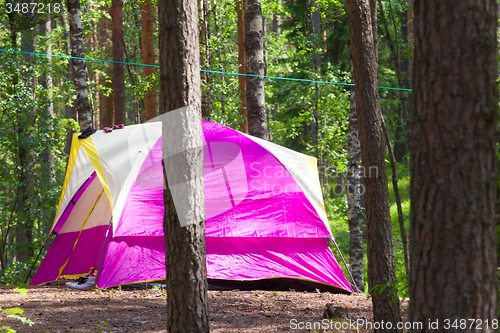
x,y
266,227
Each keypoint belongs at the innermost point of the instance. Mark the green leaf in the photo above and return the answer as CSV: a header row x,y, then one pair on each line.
x,y
22,291
7,329
22,319
15,310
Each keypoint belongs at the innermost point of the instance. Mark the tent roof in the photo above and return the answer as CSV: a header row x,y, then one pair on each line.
x,y
117,158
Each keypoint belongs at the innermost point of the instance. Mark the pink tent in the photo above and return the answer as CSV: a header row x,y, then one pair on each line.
x,y
266,227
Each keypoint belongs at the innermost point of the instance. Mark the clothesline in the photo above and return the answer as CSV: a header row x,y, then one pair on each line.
x,y
202,70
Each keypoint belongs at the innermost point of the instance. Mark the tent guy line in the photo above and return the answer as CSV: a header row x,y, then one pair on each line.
x,y
202,70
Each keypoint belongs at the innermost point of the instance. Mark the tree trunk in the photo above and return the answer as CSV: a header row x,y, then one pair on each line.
x,y
118,55
395,186
316,61
185,251
316,25
81,102
402,130
69,109
400,149
7,238
206,78
399,132
453,163
222,61
25,121
148,57
91,41
381,266
106,109
242,62
276,23
254,49
48,172
355,189
48,105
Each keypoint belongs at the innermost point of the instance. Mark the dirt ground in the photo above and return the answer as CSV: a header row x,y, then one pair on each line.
x,y
60,309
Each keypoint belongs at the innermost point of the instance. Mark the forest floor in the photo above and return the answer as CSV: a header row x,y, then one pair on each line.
x,y
59,309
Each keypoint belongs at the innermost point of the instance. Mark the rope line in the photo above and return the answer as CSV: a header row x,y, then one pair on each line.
x,y
202,70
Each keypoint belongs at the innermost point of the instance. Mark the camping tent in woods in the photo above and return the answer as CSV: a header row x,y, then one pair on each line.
x,y
266,227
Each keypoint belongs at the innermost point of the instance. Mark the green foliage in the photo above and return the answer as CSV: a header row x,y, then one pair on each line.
x,y
396,287
336,210
101,327
295,109
21,290
15,273
30,185
15,313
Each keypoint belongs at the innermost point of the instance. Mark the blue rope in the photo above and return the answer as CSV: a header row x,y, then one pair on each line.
x,y
202,70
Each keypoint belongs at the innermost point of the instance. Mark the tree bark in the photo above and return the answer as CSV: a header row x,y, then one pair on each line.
x,y
106,109
185,251
400,147
254,50
81,102
25,121
453,163
242,62
48,172
316,27
148,57
402,129
118,55
68,109
205,55
6,237
402,228
381,266
355,189
48,105
316,61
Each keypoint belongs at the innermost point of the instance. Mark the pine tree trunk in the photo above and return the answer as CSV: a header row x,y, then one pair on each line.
x,y
397,197
276,25
25,157
148,57
355,189
242,62
81,102
47,84
400,149
316,25
316,60
48,172
8,237
69,109
254,49
221,60
402,129
206,78
453,163
381,266
106,109
118,55
185,251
